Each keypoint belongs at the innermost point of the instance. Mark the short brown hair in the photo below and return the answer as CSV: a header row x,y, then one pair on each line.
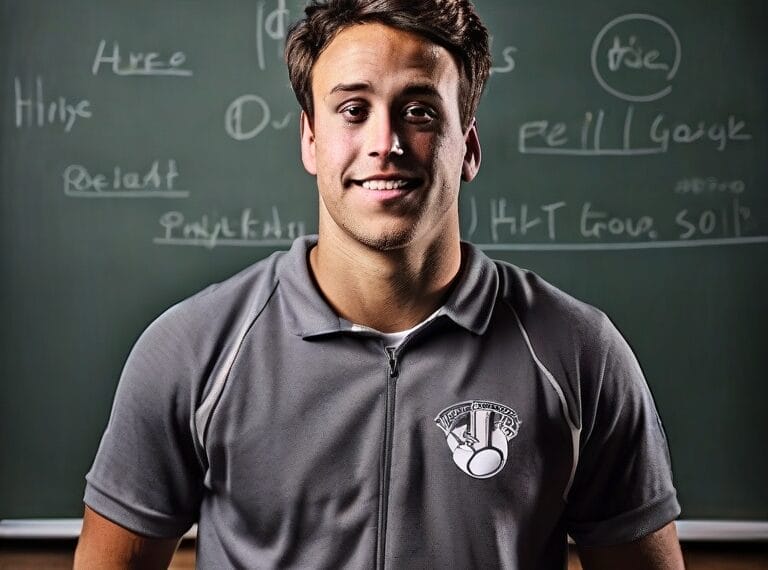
x,y
452,24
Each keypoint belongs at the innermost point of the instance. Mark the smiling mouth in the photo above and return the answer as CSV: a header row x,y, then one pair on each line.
x,y
388,184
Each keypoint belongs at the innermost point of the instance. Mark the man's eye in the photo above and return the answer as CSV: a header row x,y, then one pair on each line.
x,y
419,114
354,113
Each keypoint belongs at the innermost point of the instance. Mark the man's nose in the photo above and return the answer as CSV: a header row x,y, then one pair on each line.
x,y
383,139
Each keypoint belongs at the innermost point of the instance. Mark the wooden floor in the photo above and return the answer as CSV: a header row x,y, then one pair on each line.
x,y
57,554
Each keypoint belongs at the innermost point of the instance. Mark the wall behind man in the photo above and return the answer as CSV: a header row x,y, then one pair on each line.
x,y
150,148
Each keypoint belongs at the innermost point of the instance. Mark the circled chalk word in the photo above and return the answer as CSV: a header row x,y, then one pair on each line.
x,y
635,57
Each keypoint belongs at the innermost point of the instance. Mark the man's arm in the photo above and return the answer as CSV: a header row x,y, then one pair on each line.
x,y
659,550
104,544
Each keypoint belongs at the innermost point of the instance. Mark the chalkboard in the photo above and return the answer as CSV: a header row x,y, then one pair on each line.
x,y
148,148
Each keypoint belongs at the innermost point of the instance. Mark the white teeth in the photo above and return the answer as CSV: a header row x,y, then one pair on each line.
x,y
384,184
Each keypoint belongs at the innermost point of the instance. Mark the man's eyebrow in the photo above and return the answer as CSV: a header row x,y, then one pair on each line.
x,y
423,89
349,87
415,89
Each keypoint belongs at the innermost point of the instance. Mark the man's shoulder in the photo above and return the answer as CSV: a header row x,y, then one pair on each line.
x,y
545,307
577,342
253,282
571,337
219,307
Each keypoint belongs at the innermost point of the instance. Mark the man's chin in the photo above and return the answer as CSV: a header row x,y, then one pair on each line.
x,y
389,240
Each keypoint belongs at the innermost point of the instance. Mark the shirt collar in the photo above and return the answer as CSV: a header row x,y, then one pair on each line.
x,y
471,302
469,305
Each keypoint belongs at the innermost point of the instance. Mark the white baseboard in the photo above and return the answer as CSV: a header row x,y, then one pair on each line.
x,y
688,530
50,528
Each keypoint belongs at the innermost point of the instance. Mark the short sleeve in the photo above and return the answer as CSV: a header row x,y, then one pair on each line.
x,y
146,475
622,488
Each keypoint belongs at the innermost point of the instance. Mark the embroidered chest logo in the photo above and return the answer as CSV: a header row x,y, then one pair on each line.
x,y
477,432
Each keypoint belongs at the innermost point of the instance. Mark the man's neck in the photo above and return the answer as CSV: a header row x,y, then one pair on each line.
x,y
386,290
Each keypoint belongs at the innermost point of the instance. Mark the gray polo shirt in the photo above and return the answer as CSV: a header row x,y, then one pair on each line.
x,y
517,415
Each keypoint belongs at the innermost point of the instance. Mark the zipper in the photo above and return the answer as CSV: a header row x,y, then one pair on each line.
x,y
392,356
386,456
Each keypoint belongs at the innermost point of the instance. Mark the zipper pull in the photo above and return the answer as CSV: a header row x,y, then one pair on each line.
x,y
393,371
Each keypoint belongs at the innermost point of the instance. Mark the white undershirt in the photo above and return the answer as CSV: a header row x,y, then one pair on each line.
x,y
393,339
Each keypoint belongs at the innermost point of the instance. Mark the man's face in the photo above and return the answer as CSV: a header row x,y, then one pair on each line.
x,y
386,141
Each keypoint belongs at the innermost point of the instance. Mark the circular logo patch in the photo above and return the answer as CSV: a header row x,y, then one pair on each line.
x,y
477,432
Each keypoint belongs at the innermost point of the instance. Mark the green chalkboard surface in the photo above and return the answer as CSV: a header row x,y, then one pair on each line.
x,y
148,148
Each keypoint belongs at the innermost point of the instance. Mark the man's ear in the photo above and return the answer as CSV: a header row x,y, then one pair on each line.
x,y
472,155
308,156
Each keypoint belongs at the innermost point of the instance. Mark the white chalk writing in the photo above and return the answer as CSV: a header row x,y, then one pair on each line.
x,y
727,220
720,133
217,230
155,182
658,64
632,56
557,226
275,24
248,115
508,57
522,221
548,137
709,185
139,63
37,111
596,224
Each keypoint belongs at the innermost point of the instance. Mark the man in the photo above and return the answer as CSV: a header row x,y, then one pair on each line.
x,y
383,395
